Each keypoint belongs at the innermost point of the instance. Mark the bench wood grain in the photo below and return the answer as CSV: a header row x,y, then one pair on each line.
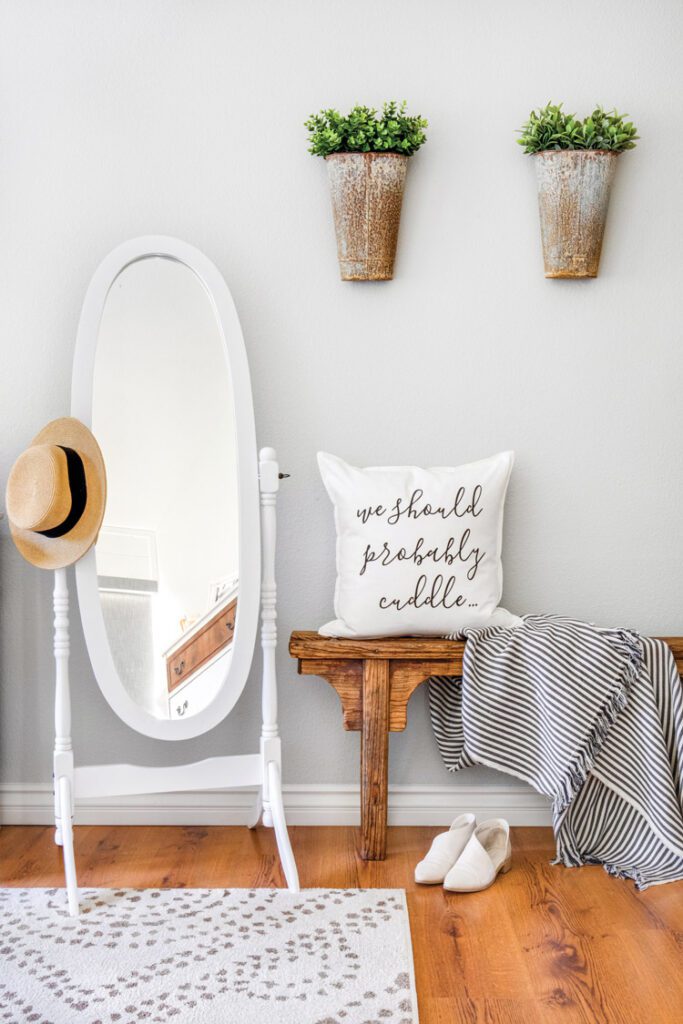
x,y
374,680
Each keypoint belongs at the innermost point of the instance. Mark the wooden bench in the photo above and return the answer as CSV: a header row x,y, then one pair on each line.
x,y
375,680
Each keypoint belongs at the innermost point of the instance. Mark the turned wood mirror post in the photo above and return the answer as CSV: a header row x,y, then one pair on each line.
x,y
170,594
63,759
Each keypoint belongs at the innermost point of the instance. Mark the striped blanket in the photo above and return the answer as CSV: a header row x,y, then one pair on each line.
x,y
590,717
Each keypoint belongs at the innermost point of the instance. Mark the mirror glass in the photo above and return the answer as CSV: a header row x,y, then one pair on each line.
x,y
168,553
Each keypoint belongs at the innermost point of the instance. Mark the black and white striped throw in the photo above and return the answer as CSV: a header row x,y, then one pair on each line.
x,y
590,717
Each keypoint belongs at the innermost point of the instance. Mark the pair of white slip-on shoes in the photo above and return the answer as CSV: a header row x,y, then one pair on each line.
x,y
469,857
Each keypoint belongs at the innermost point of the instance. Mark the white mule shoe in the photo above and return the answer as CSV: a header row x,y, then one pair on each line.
x,y
445,850
487,853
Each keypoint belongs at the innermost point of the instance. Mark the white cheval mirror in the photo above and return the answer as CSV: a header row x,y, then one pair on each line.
x,y
170,594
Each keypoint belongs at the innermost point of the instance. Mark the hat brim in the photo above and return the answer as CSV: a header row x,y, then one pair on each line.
x,y
57,552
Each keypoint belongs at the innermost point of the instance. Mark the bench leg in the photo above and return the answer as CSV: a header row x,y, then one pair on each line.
x,y
374,759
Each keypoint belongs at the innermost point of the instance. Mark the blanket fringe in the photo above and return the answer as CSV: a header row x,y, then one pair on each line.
x,y
628,874
581,764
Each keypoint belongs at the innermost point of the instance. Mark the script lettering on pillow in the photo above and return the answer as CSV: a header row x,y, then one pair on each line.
x,y
418,550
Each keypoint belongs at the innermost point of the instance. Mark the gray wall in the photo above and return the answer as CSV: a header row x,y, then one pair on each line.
x,y
125,118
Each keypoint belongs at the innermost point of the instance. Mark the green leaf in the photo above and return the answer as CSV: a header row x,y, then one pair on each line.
x,y
549,128
364,130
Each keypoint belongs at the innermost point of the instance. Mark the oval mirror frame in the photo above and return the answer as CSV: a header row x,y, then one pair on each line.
x,y
249,545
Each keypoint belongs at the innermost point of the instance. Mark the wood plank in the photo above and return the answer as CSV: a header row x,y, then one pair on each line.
x,y
417,648
374,760
565,970
676,645
308,644
405,677
346,676
544,945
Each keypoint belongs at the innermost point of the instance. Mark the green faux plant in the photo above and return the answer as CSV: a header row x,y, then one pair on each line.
x,y
551,128
363,130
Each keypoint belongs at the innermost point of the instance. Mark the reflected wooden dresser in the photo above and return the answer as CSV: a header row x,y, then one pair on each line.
x,y
206,640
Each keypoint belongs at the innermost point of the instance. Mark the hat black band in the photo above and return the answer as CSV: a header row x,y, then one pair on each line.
x,y
79,494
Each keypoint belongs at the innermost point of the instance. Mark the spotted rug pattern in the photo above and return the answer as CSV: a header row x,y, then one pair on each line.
x,y
206,956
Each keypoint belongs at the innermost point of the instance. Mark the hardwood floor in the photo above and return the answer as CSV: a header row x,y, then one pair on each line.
x,y
543,945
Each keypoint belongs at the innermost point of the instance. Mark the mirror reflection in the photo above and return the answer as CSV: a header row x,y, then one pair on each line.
x,y
167,554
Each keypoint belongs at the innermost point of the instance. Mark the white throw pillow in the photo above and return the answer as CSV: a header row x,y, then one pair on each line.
x,y
418,550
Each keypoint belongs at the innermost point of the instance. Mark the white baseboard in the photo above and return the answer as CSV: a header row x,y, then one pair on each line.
x,y
31,804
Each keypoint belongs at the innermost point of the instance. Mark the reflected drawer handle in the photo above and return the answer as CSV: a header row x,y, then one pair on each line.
x,y
179,669
183,709
230,625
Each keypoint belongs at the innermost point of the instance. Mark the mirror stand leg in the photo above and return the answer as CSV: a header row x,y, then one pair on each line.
x,y
280,825
270,750
59,838
256,810
65,797
63,751
273,808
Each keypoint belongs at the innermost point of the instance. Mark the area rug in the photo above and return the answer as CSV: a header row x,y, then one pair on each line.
x,y
210,956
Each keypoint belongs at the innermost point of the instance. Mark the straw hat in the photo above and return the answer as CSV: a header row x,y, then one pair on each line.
x,y
56,493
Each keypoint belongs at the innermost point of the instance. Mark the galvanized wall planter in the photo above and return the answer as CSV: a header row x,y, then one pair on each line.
x,y
367,193
573,195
